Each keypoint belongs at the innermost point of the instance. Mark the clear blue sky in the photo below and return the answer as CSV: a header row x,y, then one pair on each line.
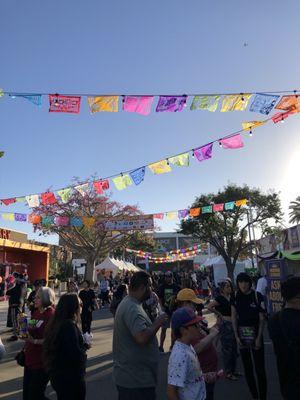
x,y
168,47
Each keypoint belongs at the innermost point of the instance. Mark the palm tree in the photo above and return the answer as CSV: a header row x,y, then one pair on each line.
x,y
295,211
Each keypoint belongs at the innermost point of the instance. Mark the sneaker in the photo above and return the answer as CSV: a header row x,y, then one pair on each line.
x,y
161,349
12,338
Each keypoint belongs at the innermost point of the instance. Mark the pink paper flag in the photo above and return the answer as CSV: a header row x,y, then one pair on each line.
x,y
218,207
159,216
65,104
138,104
232,142
279,117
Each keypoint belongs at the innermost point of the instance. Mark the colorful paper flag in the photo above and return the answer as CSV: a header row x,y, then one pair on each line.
x,y
207,210
264,103
8,216
20,199
48,198
171,103
65,194
65,104
229,206
100,186
279,117
33,200
160,167
48,220
218,207
1,93
34,219
122,181
159,216
235,102
138,104
103,104
76,221
62,221
242,202
209,103
232,142
247,126
7,202
195,212
204,152
138,175
171,215
82,189
88,221
289,103
182,160
20,217
183,213
35,99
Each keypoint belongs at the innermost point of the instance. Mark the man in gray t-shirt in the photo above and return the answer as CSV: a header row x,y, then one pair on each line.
x,y
135,347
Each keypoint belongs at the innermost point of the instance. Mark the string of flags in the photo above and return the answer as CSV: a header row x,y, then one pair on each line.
x,y
184,250
262,103
62,220
136,176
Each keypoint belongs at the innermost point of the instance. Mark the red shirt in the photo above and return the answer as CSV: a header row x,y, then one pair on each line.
x,y
36,328
208,358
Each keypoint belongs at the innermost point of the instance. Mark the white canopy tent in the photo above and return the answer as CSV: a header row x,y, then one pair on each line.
x,y
114,265
220,270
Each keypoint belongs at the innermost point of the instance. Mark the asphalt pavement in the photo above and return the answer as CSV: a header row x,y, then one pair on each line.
x,y
100,385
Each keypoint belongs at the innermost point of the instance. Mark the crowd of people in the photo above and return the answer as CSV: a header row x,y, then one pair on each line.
x,y
58,334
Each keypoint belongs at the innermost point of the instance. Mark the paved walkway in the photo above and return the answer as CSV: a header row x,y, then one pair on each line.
x,y
99,368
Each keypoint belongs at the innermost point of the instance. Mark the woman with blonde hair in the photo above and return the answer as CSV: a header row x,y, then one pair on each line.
x,y
35,377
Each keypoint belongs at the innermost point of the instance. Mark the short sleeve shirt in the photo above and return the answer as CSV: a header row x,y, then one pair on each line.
x,y
185,373
135,366
224,306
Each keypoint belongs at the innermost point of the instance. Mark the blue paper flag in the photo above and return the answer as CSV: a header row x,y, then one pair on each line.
x,y
33,98
264,103
20,217
138,175
230,205
48,220
75,221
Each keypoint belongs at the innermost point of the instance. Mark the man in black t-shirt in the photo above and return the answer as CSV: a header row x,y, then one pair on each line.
x,y
167,294
284,330
89,304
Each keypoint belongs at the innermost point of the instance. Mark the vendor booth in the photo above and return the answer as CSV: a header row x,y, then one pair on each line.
x,y
18,254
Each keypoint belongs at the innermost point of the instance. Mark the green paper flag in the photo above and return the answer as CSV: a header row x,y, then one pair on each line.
x,y
207,210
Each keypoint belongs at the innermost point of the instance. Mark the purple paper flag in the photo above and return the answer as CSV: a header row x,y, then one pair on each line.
x,y
232,142
20,217
171,103
183,213
204,152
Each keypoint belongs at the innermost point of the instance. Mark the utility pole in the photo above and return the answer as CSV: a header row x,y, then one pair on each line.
x,y
253,231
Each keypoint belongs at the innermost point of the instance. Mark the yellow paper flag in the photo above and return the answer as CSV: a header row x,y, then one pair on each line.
x,y
183,160
88,221
8,216
122,182
235,102
103,103
1,93
171,215
240,203
160,167
252,124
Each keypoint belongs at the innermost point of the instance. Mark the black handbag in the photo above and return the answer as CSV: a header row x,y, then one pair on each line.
x,y
20,358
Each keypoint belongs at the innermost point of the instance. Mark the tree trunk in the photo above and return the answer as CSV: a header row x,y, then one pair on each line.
x,y
89,270
230,270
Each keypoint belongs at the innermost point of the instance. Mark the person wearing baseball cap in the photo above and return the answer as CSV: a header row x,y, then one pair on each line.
x,y
185,378
204,343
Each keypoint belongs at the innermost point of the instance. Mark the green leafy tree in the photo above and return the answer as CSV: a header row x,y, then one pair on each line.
x,y
227,231
295,211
